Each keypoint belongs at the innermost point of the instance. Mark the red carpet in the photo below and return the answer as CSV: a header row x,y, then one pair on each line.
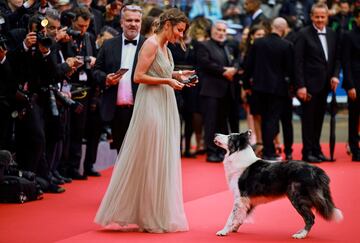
x,y
68,217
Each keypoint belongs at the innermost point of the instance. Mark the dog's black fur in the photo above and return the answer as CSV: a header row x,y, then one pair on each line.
x,y
259,181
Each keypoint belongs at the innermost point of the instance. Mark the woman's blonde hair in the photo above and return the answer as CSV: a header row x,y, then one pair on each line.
x,y
174,16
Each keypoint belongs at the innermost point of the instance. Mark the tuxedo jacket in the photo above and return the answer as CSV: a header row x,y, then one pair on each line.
x,y
211,60
351,59
270,65
109,61
260,19
312,70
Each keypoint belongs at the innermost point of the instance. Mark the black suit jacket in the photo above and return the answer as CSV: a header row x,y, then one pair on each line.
x,y
270,64
351,59
8,84
109,61
260,19
32,67
211,60
311,68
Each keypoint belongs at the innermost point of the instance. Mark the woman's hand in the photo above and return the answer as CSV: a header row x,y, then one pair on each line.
x,y
184,74
176,84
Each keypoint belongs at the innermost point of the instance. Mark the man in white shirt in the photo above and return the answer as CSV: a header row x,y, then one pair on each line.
x,y
119,89
317,68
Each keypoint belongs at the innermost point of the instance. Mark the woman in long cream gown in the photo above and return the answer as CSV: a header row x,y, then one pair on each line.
x,y
145,187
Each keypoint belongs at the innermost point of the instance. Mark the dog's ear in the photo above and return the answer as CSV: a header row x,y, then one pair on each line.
x,y
238,142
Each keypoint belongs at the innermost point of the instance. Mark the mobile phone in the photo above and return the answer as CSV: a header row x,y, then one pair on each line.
x,y
122,71
192,79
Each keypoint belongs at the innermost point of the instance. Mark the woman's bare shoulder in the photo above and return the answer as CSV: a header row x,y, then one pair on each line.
x,y
151,43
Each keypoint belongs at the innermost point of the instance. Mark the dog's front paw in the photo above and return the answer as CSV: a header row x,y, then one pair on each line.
x,y
222,232
301,234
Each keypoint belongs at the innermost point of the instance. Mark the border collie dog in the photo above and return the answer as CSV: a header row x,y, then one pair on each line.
x,y
254,181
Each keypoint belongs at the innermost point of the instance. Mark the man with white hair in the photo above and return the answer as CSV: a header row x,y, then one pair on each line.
x,y
270,64
217,76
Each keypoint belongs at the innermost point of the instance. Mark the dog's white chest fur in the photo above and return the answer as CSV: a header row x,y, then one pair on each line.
x,y
236,163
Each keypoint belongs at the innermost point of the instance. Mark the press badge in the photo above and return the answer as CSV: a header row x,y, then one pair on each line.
x,y
83,76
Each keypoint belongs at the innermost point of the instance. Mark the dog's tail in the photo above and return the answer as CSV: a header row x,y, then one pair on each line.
x,y
322,199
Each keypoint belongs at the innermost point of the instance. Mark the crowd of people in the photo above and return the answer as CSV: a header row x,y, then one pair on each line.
x,y
68,71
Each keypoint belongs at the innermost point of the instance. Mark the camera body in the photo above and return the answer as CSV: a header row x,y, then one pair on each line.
x,y
40,24
43,40
72,32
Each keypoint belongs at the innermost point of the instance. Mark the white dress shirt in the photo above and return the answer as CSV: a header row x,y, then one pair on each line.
x,y
322,37
125,95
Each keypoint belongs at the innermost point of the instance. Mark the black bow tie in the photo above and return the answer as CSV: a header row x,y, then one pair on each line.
x,y
319,33
134,42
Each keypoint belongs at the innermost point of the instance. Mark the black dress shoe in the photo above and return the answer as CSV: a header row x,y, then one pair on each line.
x,y
77,176
55,189
59,176
92,173
356,158
311,159
322,157
56,181
213,159
189,155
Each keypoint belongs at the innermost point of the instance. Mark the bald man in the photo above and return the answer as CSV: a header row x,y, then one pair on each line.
x,y
270,65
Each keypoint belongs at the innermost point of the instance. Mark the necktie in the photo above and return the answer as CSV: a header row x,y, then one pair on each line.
x,y
134,42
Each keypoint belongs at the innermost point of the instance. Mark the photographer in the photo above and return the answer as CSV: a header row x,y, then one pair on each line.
x,y
37,66
7,94
83,47
57,127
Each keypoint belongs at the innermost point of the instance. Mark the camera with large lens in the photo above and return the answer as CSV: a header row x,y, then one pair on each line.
x,y
41,23
55,95
87,61
72,32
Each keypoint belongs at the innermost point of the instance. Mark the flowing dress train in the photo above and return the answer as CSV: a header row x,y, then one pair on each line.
x,y
146,188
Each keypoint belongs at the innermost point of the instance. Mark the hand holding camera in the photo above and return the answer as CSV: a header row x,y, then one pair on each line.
x,y
30,39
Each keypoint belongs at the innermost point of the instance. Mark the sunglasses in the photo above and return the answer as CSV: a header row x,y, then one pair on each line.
x,y
132,8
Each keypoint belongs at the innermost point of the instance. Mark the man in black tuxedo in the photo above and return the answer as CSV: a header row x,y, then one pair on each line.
x,y
351,66
117,102
316,71
257,16
270,65
216,72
